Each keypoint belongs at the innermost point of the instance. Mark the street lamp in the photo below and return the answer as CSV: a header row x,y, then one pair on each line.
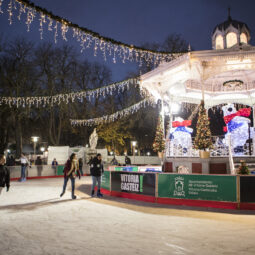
x,y
148,153
134,143
35,140
133,146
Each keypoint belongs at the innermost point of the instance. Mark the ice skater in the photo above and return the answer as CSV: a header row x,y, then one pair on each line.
x,y
96,170
4,174
71,166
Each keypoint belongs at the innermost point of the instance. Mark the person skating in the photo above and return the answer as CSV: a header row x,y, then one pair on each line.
x,y
71,167
96,170
4,174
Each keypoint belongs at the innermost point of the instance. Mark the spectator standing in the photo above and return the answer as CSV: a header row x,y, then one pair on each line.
x,y
80,166
10,161
96,170
71,167
127,160
54,165
114,161
90,160
38,163
24,163
4,175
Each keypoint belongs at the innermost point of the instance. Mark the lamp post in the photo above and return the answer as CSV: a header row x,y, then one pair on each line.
x,y
134,143
42,149
35,140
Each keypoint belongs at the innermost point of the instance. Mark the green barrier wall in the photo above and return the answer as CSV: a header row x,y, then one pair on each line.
x,y
60,170
200,187
105,184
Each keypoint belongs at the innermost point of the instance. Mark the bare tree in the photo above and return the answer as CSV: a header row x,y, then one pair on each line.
x,y
18,77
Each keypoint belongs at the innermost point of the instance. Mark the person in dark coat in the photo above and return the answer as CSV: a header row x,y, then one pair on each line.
x,y
127,160
71,166
80,166
38,163
114,161
4,174
96,171
10,161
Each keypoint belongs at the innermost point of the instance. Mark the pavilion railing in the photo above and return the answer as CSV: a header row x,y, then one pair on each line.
x,y
220,149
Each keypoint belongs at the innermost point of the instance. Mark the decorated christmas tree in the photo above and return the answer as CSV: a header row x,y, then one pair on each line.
x,y
203,138
159,141
243,169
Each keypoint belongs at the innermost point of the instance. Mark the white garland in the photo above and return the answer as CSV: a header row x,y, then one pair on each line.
x,y
85,37
68,97
113,117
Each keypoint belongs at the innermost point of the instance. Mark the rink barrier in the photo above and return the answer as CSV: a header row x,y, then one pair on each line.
x,y
41,171
244,187
213,191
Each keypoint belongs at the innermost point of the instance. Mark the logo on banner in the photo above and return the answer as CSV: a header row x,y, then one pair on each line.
x,y
130,182
179,186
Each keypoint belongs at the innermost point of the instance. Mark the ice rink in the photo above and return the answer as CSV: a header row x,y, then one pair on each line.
x,y
35,220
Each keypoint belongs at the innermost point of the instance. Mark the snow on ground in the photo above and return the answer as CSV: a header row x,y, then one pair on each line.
x,y
35,220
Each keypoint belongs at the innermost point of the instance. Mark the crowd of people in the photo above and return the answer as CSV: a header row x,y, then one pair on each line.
x,y
73,168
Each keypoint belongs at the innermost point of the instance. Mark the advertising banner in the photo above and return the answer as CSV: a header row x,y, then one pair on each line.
x,y
150,168
105,183
126,168
138,183
200,187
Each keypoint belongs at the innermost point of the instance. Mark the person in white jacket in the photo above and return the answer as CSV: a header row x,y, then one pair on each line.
x,y
24,163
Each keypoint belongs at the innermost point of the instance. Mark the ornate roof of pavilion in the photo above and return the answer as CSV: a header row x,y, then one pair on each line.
x,y
183,79
231,22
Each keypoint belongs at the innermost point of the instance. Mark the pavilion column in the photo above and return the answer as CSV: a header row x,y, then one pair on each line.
x,y
170,145
253,136
203,80
163,115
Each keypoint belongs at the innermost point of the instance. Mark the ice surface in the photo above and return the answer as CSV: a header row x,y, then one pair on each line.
x,y
35,220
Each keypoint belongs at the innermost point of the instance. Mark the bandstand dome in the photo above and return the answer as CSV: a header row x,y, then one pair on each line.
x,y
229,33
224,75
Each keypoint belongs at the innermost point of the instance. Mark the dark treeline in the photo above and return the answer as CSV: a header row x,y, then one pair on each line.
x,y
46,70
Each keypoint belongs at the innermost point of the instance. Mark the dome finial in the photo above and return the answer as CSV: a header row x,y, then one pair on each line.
x,y
229,17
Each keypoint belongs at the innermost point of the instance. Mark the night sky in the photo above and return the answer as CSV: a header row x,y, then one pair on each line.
x,y
137,21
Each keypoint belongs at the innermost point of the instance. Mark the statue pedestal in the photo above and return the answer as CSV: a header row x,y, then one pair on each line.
x,y
90,153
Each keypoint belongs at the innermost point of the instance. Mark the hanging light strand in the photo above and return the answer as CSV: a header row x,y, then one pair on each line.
x,y
113,117
86,37
37,101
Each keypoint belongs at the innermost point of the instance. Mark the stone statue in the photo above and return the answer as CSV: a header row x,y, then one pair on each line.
x,y
93,139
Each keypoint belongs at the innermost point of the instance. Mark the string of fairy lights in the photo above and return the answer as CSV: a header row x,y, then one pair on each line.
x,y
43,101
85,37
87,40
113,117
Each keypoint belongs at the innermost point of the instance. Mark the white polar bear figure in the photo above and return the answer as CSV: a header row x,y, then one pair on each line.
x,y
180,134
237,126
